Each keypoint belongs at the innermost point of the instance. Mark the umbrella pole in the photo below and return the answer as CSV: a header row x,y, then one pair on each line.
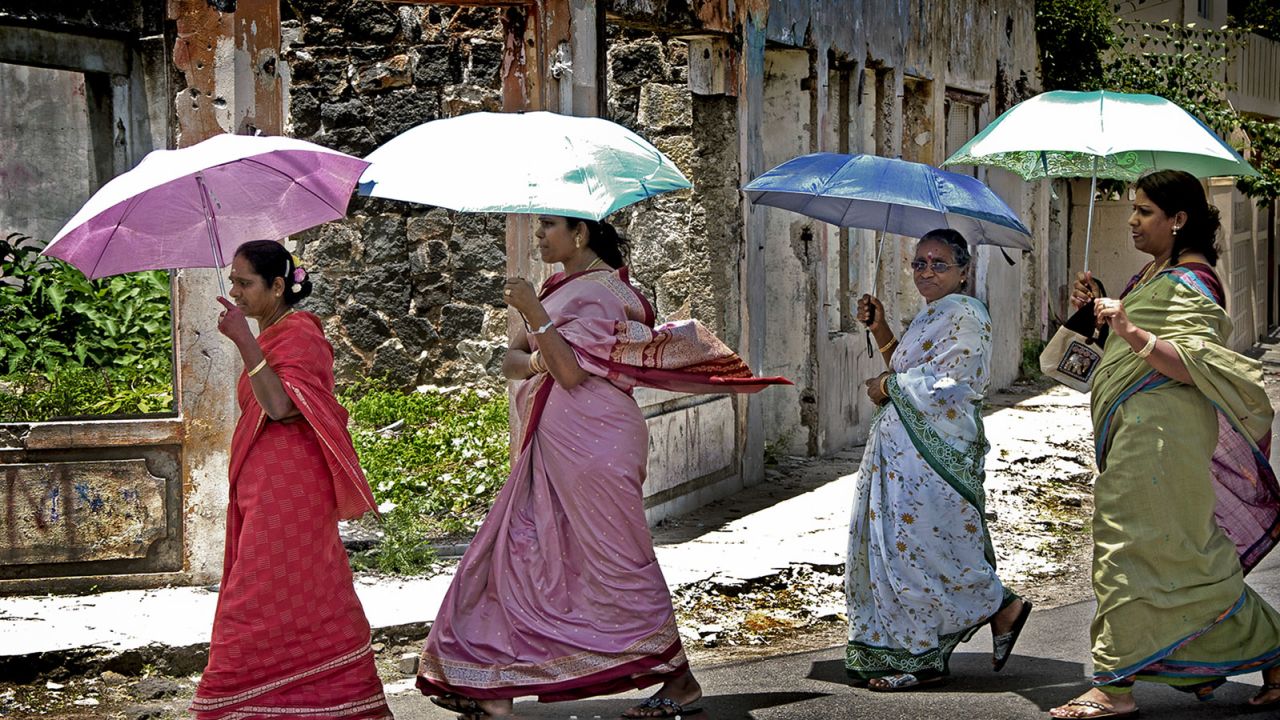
x,y
210,225
875,284
1093,192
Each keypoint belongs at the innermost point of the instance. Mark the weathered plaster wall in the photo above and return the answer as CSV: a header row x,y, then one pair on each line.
x,y
44,140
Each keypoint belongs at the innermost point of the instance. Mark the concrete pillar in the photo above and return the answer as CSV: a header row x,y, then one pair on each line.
x,y
227,66
751,307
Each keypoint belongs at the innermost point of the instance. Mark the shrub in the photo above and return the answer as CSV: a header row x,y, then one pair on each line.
x,y
438,456
71,346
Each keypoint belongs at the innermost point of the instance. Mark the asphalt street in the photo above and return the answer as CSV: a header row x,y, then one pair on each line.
x,y
1049,667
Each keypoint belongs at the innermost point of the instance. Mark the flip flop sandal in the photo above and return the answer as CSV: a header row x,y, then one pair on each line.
x,y
1106,711
1002,645
667,708
464,706
1266,687
907,681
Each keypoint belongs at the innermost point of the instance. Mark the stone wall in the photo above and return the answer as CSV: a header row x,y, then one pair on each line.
x,y
684,244
412,293
409,293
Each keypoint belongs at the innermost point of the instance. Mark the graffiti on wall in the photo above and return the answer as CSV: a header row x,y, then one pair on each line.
x,y
79,511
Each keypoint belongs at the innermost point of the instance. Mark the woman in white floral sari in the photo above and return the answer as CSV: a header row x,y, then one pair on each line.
x,y
920,576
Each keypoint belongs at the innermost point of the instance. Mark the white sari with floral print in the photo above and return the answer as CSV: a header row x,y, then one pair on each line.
x,y
920,576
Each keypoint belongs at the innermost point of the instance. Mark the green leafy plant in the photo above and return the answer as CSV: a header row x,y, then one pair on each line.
x,y
1084,46
70,346
1073,36
435,460
1029,367
443,455
405,548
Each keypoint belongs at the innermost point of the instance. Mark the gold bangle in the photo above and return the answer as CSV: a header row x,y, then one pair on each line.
x,y
892,341
884,377
258,368
1149,347
535,362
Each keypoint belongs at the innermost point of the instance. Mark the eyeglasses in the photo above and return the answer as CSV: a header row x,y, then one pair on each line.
x,y
937,266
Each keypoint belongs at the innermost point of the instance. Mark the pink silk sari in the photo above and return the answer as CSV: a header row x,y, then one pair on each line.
x,y
560,594
290,638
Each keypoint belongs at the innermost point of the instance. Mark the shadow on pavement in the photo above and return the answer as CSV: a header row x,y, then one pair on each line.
x,y
729,706
975,691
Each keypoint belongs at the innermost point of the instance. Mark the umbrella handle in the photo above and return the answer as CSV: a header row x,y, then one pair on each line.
x,y
871,351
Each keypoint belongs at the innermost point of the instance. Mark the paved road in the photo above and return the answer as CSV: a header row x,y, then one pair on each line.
x,y
1048,668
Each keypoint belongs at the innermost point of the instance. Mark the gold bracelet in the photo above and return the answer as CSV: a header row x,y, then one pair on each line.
x,y
258,368
1149,347
535,362
884,377
892,341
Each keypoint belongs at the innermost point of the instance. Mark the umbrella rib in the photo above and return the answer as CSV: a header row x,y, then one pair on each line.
x,y
133,202
295,182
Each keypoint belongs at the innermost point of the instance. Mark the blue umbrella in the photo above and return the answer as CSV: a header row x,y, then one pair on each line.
x,y
897,196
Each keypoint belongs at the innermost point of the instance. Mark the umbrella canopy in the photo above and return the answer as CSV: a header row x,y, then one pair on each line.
x,y
1065,133
534,163
897,196
194,206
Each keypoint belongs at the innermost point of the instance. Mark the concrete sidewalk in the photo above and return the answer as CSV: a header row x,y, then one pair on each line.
x,y
798,516
749,536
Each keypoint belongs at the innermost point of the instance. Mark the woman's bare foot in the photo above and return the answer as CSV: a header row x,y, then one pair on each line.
x,y
683,691
495,707
1097,704
1270,692
1004,620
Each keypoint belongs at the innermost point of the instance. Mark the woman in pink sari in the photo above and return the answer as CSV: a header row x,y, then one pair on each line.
x,y
290,638
560,594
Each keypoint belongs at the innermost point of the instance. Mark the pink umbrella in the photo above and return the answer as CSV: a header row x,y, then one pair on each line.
x,y
193,207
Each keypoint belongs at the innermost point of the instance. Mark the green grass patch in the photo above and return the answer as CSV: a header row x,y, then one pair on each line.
x,y
438,457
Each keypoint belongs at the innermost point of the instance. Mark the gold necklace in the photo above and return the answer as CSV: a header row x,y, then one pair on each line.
x,y
288,311
593,264
1148,275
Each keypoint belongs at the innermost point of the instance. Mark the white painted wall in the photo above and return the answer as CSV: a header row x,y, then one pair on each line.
x,y
789,307
46,168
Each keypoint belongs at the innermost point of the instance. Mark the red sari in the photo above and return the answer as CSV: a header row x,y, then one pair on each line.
x,y
290,638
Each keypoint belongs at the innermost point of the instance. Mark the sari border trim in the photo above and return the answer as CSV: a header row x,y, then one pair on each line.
x,y
634,673
957,467
207,704
1102,438
354,708
1156,659
533,416
869,661
1188,277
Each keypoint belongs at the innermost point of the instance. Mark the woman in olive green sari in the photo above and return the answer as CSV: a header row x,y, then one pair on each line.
x,y
1185,499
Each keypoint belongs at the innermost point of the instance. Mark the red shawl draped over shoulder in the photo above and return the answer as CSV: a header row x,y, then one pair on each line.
x,y
299,354
679,356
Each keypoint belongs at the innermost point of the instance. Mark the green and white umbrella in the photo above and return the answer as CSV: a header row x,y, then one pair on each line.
x,y
1099,134
529,162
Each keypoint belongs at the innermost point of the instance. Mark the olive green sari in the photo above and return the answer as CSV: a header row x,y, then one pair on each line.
x,y
1185,500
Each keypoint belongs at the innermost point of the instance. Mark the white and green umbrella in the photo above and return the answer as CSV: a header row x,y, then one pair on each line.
x,y
531,162
1099,134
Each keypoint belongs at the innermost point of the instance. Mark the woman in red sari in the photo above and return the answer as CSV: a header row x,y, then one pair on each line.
x,y
560,595
290,638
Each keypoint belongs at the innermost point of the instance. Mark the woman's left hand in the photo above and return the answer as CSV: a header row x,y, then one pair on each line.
x,y
519,294
1111,311
873,390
